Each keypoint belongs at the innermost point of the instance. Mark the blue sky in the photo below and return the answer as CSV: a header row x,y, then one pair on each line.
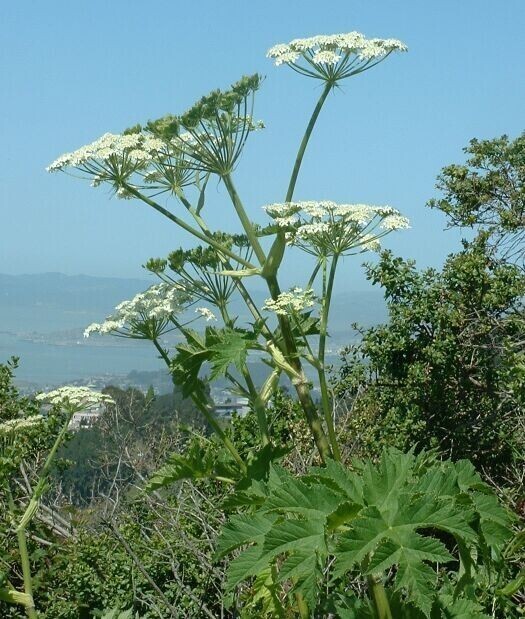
x,y
72,71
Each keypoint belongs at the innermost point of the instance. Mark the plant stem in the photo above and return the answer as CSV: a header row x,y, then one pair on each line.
x,y
302,606
208,415
41,484
26,571
24,559
197,233
379,597
245,221
257,404
297,165
304,142
302,387
327,409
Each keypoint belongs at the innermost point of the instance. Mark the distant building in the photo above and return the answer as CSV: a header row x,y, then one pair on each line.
x,y
86,418
228,407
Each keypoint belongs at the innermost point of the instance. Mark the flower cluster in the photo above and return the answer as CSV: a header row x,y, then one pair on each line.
x,y
17,426
137,148
212,133
206,313
325,228
75,397
296,300
334,57
199,271
144,316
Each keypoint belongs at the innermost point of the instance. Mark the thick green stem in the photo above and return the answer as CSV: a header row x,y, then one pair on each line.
x,y
302,386
41,484
208,415
297,166
245,221
29,604
379,598
26,571
197,233
28,514
304,142
327,408
302,606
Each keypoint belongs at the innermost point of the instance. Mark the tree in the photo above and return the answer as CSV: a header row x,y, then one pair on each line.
x,y
448,369
487,193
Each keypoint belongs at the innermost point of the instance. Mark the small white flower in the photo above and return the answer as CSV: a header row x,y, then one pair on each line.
x,y
205,313
138,147
326,57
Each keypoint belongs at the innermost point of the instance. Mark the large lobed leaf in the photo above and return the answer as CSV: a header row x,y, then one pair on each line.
x,y
403,516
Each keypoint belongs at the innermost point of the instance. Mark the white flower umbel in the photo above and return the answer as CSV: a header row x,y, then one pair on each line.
x,y
325,228
334,57
296,300
137,147
395,222
206,313
114,159
74,397
13,427
146,316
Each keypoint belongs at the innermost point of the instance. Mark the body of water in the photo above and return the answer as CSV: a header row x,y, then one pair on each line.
x,y
48,364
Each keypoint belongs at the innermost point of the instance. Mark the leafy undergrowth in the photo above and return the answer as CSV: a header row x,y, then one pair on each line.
x,y
431,533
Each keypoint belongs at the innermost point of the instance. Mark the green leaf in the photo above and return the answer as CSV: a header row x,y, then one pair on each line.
x,y
379,518
265,598
196,463
413,549
468,477
417,578
244,529
186,366
335,476
514,586
460,608
382,485
297,497
292,535
249,563
116,613
227,347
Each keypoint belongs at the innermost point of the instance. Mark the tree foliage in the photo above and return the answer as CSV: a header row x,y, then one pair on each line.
x,y
487,193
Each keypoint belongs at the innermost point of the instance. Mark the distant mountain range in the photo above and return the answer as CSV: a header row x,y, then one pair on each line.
x,y
47,302
52,303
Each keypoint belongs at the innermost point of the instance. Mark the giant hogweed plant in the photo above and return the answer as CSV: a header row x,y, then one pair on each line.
x,y
174,157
